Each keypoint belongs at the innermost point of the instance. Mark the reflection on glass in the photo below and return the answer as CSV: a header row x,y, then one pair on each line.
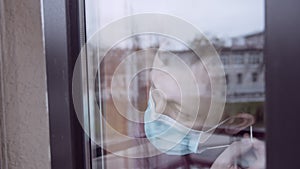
x,y
236,30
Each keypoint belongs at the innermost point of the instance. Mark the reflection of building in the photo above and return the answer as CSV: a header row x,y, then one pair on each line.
x,y
242,58
243,63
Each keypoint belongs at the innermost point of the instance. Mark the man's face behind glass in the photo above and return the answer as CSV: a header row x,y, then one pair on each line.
x,y
170,95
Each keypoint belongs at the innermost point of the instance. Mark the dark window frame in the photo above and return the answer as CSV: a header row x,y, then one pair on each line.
x,y
282,99
63,40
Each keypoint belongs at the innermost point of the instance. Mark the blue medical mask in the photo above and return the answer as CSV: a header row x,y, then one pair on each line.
x,y
171,137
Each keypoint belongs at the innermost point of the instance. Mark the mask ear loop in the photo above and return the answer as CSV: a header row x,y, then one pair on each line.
x,y
218,125
227,145
213,128
216,147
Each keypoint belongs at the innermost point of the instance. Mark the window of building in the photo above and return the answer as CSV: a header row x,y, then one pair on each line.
x,y
239,77
239,59
254,77
227,78
254,58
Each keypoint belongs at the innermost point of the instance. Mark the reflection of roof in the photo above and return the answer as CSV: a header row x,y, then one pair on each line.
x,y
251,42
254,34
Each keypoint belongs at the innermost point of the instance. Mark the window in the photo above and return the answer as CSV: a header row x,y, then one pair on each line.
x,y
239,59
225,59
133,88
255,58
239,77
227,78
237,98
254,77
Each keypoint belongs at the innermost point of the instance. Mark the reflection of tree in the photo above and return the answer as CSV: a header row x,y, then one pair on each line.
x,y
201,44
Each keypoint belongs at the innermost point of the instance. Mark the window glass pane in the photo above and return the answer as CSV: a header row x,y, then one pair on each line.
x,y
147,84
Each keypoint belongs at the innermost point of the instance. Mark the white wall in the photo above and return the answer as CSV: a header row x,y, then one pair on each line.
x,y
24,113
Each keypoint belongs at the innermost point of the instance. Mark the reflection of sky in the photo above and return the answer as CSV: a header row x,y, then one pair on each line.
x,y
218,17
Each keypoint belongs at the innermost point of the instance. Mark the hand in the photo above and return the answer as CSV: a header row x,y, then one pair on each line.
x,y
236,149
